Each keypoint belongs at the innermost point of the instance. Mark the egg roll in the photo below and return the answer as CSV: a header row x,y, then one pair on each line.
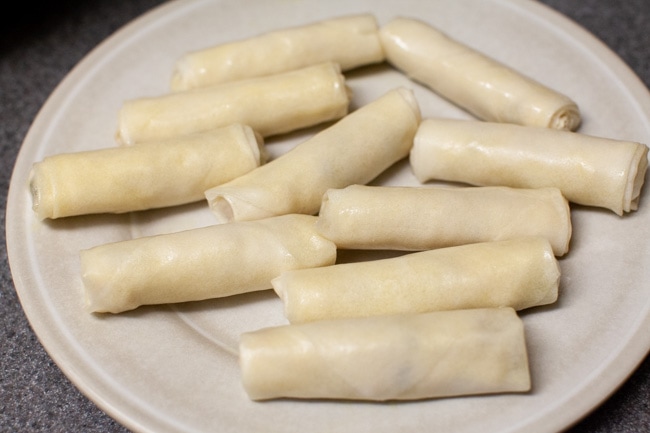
x,y
151,175
203,263
483,86
519,273
270,105
420,218
398,357
589,170
350,41
356,149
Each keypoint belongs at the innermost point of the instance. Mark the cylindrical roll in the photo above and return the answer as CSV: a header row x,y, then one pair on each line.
x,y
203,263
350,41
421,218
356,149
486,88
147,176
519,273
591,171
399,357
270,105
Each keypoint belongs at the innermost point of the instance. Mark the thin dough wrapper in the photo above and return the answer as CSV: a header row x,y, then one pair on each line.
x,y
591,171
421,218
150,175
203,263
356,149
519,273
399,357
270,105
350,41
486,88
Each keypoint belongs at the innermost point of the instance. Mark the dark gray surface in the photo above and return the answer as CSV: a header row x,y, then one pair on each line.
x,y
40,43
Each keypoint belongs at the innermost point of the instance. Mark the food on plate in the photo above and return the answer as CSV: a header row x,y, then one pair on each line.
x,y
591,171
150,175
518,273
270,105
203,263
350,41
481,85
356,149
420,218
397,357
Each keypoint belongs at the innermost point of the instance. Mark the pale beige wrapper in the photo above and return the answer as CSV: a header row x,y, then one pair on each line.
x,y
350,41
420,218
150,175
354,150
198,264
481,85
270,105
519,273
591,171
399,357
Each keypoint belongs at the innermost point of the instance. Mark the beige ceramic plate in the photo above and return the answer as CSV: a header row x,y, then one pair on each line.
x,y
174,368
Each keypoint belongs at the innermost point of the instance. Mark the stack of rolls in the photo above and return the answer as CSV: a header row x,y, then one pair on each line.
x,y
438,319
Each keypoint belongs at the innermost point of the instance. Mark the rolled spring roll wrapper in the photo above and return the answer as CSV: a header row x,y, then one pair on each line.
x,y
481,85
420,218
350,41
519,273
399,357
203,263
151,175
356,149
270,105
591,171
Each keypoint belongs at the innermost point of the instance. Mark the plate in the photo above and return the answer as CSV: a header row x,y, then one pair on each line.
x,y
174,368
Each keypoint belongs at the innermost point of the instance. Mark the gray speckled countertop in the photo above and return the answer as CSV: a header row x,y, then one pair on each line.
x,y
41,41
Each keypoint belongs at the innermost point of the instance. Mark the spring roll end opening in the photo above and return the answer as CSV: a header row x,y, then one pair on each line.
x,y
42,205
222,209
638,169
35,193
566,118
256,143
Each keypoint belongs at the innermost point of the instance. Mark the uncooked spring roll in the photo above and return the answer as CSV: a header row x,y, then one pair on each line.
x,y
591,171
356,149
481,85
421,218
203,263
151,175
270,105
398,357
519,273
350,41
